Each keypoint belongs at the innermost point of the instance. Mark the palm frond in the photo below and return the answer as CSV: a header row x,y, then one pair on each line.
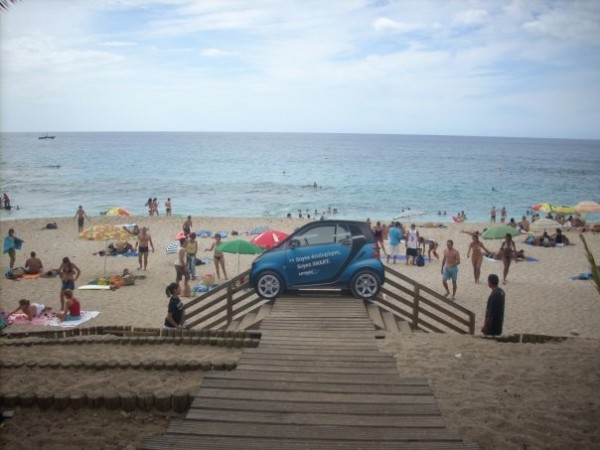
x,y
4,4
593,267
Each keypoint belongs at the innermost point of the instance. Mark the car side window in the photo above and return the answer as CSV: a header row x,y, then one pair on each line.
x,y
343,235
317,236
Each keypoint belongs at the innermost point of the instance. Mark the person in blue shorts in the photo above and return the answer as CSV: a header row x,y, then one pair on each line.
x,y
450,268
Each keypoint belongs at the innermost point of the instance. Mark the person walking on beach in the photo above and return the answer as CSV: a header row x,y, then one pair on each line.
x,y
11,245
218,256
450,264
475,249
168,207
81,215
144,243
493,214
68,273
494,311
412,243
507,251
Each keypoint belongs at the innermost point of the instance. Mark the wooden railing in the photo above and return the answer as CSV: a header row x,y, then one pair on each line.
x,y
218,307
423,308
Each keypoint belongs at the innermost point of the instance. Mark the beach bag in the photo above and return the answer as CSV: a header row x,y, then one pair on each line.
x,y
51,226
420,261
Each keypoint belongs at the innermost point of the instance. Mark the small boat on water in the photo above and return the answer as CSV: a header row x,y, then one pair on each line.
x,y
47,136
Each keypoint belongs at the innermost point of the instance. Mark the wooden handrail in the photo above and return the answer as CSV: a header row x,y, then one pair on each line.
x,y
218,307
423,307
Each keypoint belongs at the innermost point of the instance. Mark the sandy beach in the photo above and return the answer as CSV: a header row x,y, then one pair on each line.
x,y
499,395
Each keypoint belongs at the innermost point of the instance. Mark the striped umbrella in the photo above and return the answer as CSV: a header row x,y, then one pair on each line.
x,y
116,211
173,247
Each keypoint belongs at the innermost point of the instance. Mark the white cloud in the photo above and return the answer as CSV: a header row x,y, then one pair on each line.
x,y
215,53
472,17
385,24
118,44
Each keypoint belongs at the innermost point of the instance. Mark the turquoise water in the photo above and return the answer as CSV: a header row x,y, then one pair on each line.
x,y
256,174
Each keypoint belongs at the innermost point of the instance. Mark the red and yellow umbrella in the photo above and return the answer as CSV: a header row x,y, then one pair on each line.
x,y
104,233
116,211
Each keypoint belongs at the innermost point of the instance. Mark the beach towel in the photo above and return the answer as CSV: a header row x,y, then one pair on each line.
x,y
203,261
52,321
31,276
257,230
583,276
204,233
9,244
223,234
95,287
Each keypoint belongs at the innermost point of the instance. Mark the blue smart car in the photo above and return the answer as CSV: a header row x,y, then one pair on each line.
x,y
329,253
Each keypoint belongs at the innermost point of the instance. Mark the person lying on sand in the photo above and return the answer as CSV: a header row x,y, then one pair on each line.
x,y
32,310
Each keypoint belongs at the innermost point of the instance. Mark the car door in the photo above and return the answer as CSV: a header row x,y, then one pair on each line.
x,y
316,254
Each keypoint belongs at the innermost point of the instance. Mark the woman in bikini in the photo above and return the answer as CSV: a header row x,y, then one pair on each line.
x,y
508,250
476,253
218,256
69,273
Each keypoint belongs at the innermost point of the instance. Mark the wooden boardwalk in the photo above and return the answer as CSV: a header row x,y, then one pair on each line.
x,y
316,381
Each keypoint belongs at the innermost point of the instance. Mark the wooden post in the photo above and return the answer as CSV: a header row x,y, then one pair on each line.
x,y
416,295
472,323
229,304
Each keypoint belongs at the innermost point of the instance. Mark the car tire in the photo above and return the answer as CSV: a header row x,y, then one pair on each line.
x,y
365,284
269,285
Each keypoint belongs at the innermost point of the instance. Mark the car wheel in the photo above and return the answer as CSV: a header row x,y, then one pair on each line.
x,y
365,284
269,285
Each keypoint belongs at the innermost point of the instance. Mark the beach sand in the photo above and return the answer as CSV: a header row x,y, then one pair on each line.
x,y
500,395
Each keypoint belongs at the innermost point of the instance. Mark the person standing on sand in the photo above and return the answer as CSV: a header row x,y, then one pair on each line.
x,y
218,256
11,245
187,226
412,243
493,214
475,248
181,270
378,232
69,273
191,250
81,215
168,207
450,268
144,242
494,311
503,215
395,235
507,250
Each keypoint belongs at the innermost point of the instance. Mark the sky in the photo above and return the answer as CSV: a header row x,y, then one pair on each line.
x,y
523,68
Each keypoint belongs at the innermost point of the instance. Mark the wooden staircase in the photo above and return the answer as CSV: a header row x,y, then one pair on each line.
x,y
316,381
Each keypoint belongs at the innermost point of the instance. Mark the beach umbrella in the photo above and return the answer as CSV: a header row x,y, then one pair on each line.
x,y
552,208
241,247
268,239
544,224
180,235
587,207
116,211
173,247
104,233
499,232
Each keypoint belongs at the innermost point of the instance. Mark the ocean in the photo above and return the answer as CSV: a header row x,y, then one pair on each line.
x,y
272,174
